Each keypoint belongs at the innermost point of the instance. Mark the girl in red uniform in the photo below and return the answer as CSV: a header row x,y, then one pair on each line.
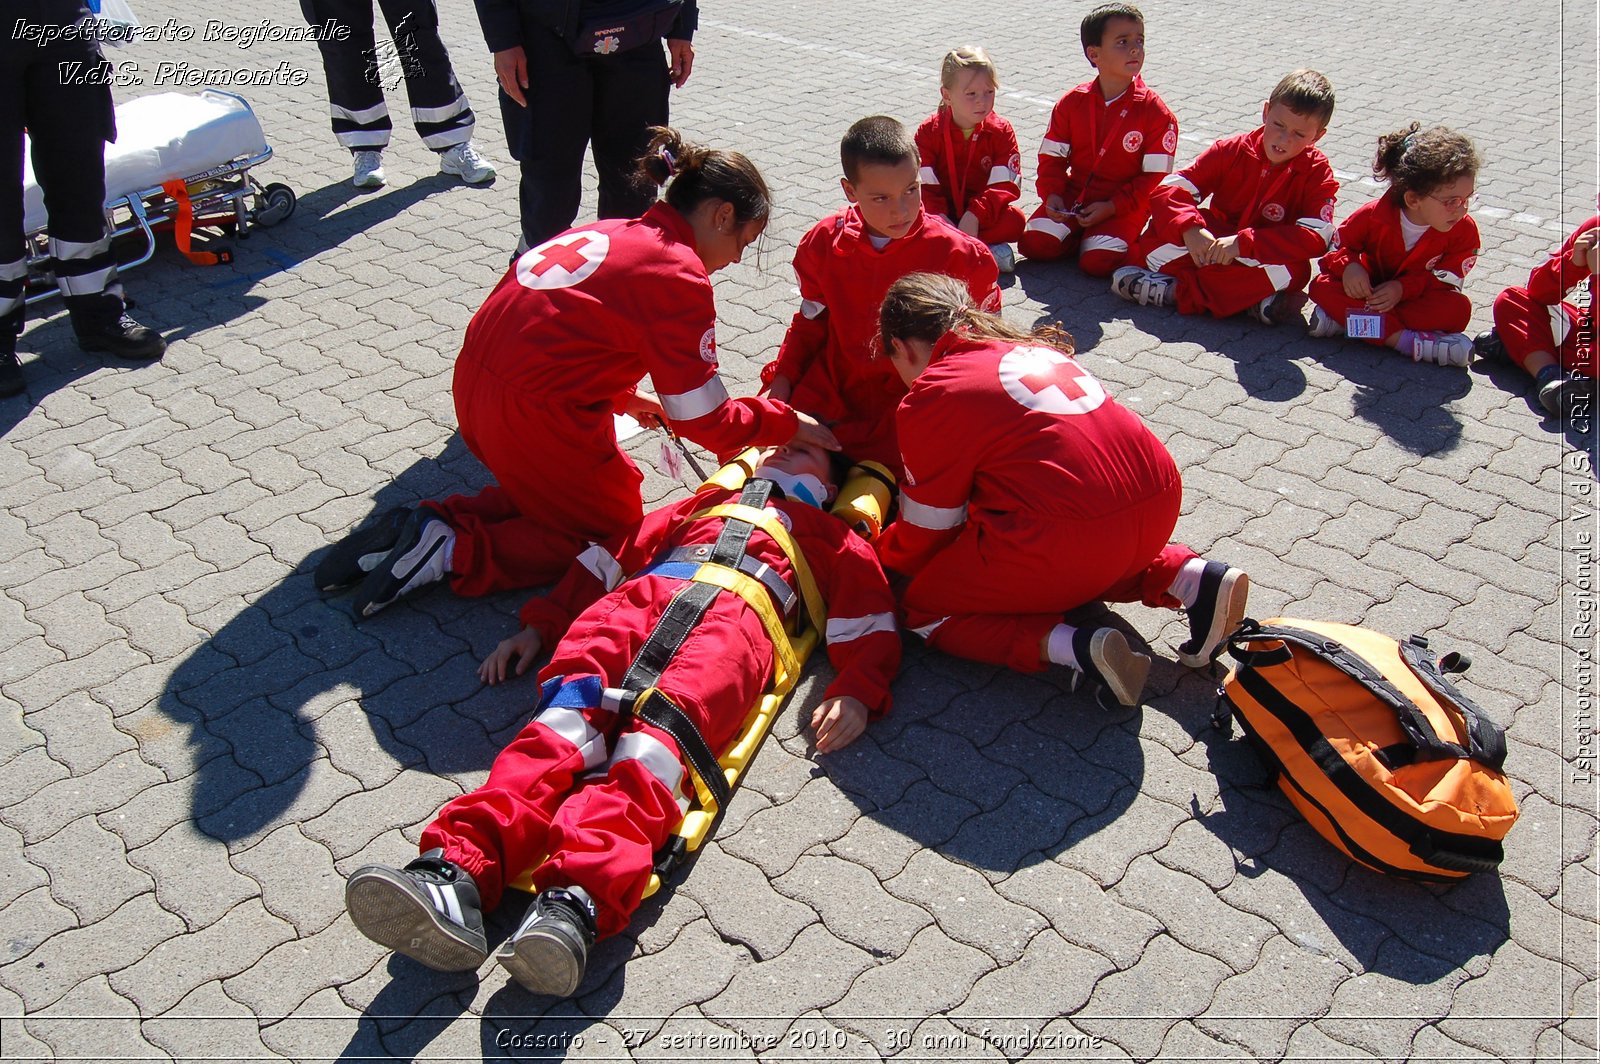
x,y
559,346
1029,492
1395,273
970,163
1550,338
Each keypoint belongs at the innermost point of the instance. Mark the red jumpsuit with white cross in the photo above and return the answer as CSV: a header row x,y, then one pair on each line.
x,y
1282,215
977,173
830,351
1539,318
1430,273
1097,150
1028,492
588,801
560,343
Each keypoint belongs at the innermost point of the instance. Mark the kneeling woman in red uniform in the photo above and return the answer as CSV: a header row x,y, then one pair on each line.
x,y
560,344
1029,492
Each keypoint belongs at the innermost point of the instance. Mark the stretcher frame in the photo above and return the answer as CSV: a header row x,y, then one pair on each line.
x,y
217,197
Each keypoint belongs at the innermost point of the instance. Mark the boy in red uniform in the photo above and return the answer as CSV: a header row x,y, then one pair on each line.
x,y
1272,196
592,788
845,264
1110,142
970,163
1395,274
1550,338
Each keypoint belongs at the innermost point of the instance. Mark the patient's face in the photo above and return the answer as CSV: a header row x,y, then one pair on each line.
x,y
801,458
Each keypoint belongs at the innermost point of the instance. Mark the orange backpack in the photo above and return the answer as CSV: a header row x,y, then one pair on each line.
x,y
1379,751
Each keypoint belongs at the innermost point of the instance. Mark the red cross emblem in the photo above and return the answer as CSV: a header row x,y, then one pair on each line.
x,y
1042,378
562,261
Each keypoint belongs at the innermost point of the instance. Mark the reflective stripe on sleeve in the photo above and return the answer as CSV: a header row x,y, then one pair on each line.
x,y
810,308
933,517
1560,324
1179,181
1157,164
440,114
844,629
686,406
1323,229
1002,175
1165,254
1278,275
927,630
1448,278
927,176
1059,149
605,568
570,725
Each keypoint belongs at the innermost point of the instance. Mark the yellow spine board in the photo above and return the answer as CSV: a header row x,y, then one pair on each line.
x,y
790,653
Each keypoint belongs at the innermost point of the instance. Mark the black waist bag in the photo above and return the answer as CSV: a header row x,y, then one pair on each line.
x,y
605,34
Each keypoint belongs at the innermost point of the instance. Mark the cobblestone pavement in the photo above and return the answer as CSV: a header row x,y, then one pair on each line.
x,y
196,747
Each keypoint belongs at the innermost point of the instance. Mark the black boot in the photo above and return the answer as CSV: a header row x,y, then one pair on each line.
x,y
11,382
120,336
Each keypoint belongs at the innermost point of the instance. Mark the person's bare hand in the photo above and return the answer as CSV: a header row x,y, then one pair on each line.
x,y
511,68
1357,281
1224,250
1095,213
522,648
1055,208
1586,251
682,55
1199,241
838,722
1384,297
815,433
645,409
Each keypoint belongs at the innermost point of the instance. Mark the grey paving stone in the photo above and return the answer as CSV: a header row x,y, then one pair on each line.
x,y
1103,845
45,685
813,973
965,905
16,736
285,980
1140,1004
52,806
297,879
1052,978
650,988
1260,1008
852,906
1382,1009
1505,1010
321,1022
32,916
1192,914
207,1021
742,905
88,869
92,1022
81,734
773,838
73,956
159,980
194,878
900,986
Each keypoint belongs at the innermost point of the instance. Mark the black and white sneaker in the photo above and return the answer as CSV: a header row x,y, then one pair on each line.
x,y
1489,346
548,953
1216,614
428,910
417,559
1106,661
360,552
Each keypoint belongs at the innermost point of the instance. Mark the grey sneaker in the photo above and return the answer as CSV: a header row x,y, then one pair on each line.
x,y
429,910
548,953
1004,257
1447,349
369,169
1216,614
1323,326
417,559
1144,287
464,161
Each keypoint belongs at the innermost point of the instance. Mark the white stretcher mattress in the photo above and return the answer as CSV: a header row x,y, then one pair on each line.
x,y
160,137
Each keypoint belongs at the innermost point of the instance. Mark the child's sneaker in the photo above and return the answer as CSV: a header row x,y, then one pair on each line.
x,y
464,161
1107,661
1447,349
360,552
1323,325
369,169
548,953
1216,613
1560,391
1004,257
419,557
1487,345
1279,307
429,910
1144,287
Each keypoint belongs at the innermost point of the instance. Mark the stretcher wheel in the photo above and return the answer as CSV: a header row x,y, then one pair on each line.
x,y
280,202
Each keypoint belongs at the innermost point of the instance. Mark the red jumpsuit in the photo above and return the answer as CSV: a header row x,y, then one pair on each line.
x,y
979,173
1538,318
830,350
1430,274
566,335
594,801
1028,492
1094,151
1283,216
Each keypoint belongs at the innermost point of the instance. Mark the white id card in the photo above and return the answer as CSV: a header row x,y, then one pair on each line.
x,y
1364,326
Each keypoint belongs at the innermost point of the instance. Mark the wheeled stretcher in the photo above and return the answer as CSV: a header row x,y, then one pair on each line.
x,y
179,160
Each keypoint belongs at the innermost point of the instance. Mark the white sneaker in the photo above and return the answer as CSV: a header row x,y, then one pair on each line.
x,y
369,169
1323,326
1144,287
464,161
1004,257
420,556
1447,349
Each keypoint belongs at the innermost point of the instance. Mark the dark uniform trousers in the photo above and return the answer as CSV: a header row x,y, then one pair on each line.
x,y
353,67
61,93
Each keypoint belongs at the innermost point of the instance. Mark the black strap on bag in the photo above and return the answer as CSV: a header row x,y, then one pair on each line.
x,y
1486,743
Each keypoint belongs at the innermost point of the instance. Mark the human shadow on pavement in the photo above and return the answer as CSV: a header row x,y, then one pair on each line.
x,y
1409,401
255,696
1577,427
1415,932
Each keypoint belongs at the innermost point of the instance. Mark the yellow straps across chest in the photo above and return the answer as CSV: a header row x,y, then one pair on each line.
x,y
767,521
